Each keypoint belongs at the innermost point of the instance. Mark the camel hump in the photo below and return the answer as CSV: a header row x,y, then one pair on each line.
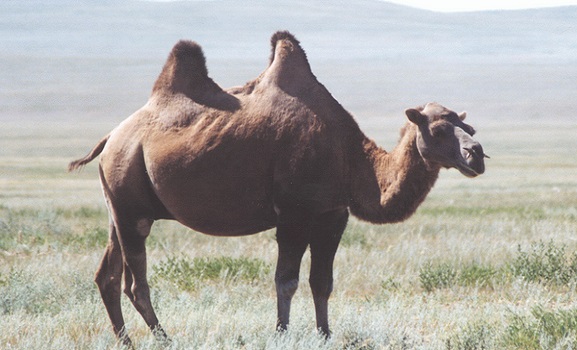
x,y
289,45
184,70
289,66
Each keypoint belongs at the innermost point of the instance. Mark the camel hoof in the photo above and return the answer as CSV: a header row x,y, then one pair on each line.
x,y
325,333
161,336
126,343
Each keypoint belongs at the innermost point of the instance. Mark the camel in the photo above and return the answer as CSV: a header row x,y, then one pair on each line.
x,y
280,152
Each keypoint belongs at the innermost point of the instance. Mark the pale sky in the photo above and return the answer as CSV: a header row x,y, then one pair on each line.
x,y
469,5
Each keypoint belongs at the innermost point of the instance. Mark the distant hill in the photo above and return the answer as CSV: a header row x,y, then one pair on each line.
x,y
85,59
233,28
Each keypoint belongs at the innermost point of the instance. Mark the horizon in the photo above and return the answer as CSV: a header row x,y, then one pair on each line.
x,y
489,5
403,56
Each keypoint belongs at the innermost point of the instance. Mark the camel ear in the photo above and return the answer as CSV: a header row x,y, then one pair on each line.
x,y
462,115
416,117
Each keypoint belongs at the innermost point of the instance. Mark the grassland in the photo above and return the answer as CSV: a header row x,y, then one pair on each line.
x,y
487,263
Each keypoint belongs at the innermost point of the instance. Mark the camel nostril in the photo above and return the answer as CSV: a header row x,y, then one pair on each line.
x,y
475,151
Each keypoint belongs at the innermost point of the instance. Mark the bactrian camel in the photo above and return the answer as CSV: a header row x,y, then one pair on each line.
x,y
280,152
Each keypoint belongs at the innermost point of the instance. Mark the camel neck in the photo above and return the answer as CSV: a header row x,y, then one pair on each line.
x,y
388,187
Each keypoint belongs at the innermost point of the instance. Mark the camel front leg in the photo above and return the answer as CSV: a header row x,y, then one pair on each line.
x,y
326,235
292,240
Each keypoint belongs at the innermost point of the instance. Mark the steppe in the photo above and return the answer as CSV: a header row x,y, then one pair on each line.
x,y
485,263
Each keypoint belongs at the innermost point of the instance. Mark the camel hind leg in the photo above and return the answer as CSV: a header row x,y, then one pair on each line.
x,y
126,253
108,279
132,235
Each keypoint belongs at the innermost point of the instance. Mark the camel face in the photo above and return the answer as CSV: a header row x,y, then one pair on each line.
x,y
444,139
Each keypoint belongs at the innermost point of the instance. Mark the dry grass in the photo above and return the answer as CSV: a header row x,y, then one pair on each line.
x,y
53,228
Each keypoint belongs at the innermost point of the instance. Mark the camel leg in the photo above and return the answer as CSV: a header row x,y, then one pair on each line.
x,y
292,239
108,279
136,287
326,235
128,281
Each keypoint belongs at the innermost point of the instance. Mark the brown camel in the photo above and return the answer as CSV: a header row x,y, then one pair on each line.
x,y
278,152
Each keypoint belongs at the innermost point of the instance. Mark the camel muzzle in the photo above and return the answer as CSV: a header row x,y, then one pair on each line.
x,y
474,159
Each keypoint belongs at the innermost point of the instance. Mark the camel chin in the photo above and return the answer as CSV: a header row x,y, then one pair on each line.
x,y
467,170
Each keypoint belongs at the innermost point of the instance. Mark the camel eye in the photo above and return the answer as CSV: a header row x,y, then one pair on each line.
x,y
442,131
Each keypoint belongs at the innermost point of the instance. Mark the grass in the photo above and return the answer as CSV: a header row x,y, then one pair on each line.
x,y
542,329
477,267
487,263
186,274
79,228
473,336
546,264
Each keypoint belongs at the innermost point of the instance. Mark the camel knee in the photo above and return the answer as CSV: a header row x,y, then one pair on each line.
x,y
109,273
286,289
105,282
108,285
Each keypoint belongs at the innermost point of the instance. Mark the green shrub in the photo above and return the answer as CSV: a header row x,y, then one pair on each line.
x,y
477,275
186,273
356,341
436,277
543,329
390,284
22,291
545,263
444,275
473,337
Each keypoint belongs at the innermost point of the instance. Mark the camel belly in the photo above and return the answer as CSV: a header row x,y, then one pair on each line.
x,y
215,193
214,212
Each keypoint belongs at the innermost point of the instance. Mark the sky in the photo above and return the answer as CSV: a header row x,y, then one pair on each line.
x,y
470,5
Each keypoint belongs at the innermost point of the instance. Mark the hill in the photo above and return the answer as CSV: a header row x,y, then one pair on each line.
x,y
97,61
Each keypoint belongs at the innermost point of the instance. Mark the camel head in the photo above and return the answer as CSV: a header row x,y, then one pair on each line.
x,y
444,139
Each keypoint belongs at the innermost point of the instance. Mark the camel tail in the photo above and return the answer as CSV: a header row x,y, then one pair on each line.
x,y
79,163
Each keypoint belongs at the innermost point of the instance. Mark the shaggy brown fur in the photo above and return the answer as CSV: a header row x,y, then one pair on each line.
x,y
278,152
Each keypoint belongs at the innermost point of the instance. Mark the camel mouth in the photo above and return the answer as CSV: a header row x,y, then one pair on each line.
x,y
471,166
466,170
